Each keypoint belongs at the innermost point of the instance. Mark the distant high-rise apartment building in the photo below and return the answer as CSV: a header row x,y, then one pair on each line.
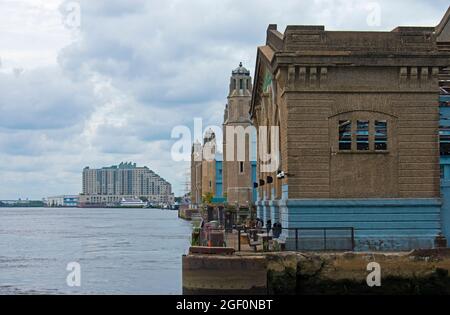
x,y
126,180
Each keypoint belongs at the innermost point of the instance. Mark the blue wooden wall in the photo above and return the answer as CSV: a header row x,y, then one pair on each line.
x,y
380,224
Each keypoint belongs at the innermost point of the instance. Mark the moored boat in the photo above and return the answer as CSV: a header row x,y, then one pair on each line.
x,y
132,203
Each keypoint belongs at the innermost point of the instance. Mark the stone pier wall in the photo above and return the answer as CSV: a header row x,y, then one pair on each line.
x,y
419,272
216,274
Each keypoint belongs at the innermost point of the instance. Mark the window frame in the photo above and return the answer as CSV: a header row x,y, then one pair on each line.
x,y
371,135
343,135
379,137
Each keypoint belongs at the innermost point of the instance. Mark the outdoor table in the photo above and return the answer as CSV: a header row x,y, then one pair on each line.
x,y
252,234
265,237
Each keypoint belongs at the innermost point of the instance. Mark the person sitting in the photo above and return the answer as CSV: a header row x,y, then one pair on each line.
x,y
259,223
277,230
269,226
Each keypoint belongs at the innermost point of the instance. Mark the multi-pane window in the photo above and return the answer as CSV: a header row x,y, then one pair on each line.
x,y
381,135
345,135
444,128
362,135
444,140
366,135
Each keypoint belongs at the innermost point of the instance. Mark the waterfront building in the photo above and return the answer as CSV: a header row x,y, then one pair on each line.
x,y
239,172
358,115
63,201
22,203
228,179
109,185
443,42
206,171
196,173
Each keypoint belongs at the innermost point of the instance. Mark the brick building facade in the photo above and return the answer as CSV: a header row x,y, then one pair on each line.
x,y
358,115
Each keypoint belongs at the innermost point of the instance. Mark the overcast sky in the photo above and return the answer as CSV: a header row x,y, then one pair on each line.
x,y
112,87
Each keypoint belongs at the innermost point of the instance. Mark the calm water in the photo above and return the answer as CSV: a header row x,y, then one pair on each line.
x,y
120,251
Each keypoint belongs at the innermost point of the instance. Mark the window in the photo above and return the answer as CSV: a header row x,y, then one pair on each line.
x,y
368,136
241,167
362,135
345,135
381,135
444,140
241,84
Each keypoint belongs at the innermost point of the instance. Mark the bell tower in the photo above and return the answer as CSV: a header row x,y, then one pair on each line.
x,y
238,183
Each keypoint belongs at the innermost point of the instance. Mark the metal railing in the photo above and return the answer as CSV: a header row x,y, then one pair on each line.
x,y
300,239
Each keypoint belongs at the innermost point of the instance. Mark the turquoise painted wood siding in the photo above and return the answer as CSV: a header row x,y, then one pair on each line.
x,y
445,165
219,179
445,212
380,224
254,180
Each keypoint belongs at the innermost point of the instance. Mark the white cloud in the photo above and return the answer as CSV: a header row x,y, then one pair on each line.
x,y
112,90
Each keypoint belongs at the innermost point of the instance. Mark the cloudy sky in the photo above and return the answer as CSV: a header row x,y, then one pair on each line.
x,y
109,85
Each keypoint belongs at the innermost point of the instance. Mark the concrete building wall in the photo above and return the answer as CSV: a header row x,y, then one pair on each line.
x,y
408,169
312,100
63,201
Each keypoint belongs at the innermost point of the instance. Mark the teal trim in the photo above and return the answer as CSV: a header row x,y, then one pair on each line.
x,y
364,202
219,200
445,214
219,179
274,212
380,224
284,192
254,180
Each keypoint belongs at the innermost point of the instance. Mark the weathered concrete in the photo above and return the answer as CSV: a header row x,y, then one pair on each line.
x,y
187,214
209,275
402,273
419,272
201,250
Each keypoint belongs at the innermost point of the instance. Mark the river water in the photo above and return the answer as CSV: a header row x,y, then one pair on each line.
x,y
118,251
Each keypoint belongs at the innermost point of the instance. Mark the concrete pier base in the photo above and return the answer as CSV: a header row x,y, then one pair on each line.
x,y
419,272
214,275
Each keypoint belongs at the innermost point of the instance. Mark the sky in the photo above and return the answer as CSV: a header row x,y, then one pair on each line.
x,y
97,82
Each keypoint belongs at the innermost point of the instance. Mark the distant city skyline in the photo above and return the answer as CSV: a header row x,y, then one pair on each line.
x,y
112,87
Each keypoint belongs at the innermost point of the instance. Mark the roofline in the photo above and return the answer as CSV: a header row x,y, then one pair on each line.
x,y
445,20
